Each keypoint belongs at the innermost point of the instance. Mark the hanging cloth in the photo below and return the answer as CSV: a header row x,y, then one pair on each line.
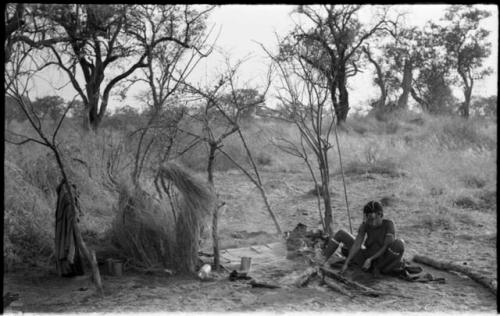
x,y
68,258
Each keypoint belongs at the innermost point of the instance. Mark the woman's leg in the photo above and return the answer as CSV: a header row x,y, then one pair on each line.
x,y
391,257
333,243
345,238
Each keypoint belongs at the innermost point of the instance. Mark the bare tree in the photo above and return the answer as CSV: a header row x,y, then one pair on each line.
x,y
305,98
19,77
223,107
168,65
91,40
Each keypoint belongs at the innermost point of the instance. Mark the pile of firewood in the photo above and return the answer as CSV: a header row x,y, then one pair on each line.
x,y
309,244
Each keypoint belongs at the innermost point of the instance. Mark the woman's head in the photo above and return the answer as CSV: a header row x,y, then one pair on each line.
x,y
373,213
373,207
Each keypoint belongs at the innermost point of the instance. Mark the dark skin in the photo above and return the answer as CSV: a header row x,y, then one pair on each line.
x,y
371,219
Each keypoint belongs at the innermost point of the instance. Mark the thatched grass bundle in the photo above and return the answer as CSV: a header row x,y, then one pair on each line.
x,y
195,205
143,230
154,232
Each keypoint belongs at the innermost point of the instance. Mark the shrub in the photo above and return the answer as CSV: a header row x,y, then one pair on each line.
x,y
473,181
488,200
465,202
384,167
436,222
459,134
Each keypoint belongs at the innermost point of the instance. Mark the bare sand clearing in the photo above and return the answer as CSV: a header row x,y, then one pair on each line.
x,y
470,240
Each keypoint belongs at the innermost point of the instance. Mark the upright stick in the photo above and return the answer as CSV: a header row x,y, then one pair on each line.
x,y
343,179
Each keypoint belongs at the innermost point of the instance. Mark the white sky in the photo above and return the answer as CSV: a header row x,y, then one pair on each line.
x,y
241,25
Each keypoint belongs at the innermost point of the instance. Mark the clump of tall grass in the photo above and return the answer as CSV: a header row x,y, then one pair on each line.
x,y
152,232
382,123
434,222
384,167
31,177
28,220
456,133
143,229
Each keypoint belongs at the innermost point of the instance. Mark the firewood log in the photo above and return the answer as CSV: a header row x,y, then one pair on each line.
x,y
255,283
449,266
306,276
337,288
365,290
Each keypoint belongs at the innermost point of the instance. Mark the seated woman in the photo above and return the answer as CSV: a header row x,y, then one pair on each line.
x,y
375,247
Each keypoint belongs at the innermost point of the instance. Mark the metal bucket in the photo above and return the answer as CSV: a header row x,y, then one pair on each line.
x,y
246,263
114,267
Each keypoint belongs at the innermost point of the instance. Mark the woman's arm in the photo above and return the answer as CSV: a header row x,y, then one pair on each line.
x,y
387,241
355,247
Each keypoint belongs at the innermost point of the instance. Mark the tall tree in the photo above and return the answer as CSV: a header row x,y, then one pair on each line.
x,y
98,46
466,45
379,79
337,36
432,88
404,55
14,22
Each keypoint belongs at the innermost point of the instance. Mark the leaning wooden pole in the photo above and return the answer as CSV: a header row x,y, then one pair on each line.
x,y
215,214
449,266
215,238
90,255
343,178
259,186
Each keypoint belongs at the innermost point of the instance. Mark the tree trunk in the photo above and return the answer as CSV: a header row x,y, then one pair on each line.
x,y
93,119
468,83
333,95
328,210
423,104
466,104
325,182
405,85
215,238
215,219
343,105
379,80
12,25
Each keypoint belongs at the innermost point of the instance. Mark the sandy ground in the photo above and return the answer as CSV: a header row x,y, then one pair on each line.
x,y
246,223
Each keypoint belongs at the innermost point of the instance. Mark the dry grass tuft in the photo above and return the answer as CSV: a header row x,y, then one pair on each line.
x,y
194,207
437,222
385,167
154,232
28,220
143,229
466,202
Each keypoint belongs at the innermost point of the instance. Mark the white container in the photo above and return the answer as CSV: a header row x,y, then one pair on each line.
x,y
204,271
